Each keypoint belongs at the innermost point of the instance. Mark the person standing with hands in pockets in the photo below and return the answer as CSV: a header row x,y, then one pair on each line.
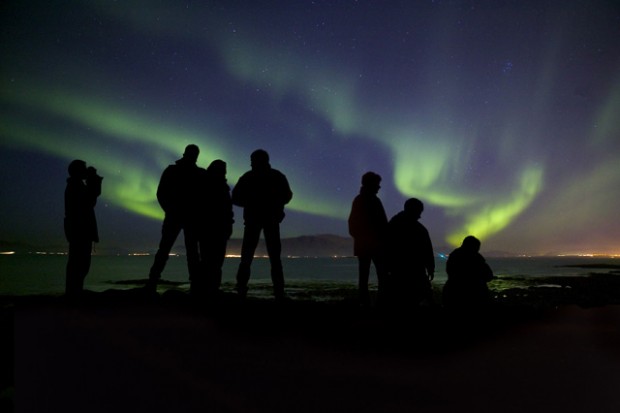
x,y
262,192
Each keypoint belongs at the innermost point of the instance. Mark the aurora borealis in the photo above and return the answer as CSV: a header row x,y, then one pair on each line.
x,y
501,116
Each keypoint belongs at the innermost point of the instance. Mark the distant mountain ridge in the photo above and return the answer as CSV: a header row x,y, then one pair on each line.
x,y
323,245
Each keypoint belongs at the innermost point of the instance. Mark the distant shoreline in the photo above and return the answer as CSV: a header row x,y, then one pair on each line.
x,y
594,266
308,246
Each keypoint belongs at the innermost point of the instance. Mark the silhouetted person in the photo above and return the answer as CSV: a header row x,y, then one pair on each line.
x,y
83,188
368,226
468,274
262,192
176,193
213,227
411,257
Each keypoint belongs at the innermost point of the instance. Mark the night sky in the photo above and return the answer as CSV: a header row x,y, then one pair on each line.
x,y
503,117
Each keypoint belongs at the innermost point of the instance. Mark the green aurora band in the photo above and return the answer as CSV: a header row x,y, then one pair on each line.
x,y
423,167
128,184
429,161
420,165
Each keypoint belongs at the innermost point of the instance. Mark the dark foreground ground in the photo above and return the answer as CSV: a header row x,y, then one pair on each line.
x,y
551,349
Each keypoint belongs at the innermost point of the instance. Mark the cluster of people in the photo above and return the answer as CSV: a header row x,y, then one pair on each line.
x,y
402,253
196,201
199,202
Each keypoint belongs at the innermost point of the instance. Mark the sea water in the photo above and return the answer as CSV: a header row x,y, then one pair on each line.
x,y
34,274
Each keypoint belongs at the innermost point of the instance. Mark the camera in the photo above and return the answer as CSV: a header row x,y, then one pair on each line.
x,y
91,174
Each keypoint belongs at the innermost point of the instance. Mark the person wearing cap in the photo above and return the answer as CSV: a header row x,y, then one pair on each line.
x,y
368,227
468,275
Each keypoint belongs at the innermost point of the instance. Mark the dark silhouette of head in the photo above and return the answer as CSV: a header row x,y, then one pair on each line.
x,y
371,182
259,159
217,168
414,207
471,243
191,153
77,169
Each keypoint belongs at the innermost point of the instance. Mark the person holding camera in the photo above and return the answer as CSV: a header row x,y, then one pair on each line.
x,y
80,223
